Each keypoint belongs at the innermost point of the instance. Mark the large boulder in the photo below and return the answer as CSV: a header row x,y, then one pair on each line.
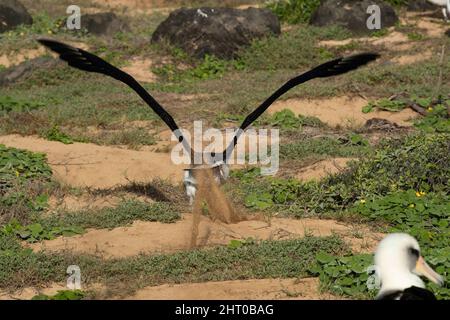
x,y
103,24
352,14
216,31
12,14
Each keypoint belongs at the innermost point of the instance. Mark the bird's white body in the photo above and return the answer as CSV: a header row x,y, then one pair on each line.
x,y
443,3
393,264
399,264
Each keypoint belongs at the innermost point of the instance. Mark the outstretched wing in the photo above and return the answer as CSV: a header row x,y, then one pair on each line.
x,y
86,61
328,69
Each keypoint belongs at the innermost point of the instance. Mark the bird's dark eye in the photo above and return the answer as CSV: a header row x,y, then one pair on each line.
x,y
414,252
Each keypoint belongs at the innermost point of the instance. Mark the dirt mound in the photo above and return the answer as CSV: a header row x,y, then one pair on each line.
x,y
255,289
323,168
155,237
89,165
341,111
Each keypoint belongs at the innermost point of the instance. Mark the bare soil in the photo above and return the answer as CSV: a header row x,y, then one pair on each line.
x,y
341,111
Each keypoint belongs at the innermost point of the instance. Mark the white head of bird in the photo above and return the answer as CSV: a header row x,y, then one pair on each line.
x,y
400,264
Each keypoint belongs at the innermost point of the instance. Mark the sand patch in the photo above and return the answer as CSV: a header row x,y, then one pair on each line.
x,y
322,169
255,289
28,293
341,111
90,165
432,28
391,40
155,237
140,69
9,60
413,58
15,58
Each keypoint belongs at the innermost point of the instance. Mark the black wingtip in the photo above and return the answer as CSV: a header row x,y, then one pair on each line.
x,y
344,64
56,46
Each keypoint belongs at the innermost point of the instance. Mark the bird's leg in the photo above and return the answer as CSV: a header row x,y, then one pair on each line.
x,y
444,11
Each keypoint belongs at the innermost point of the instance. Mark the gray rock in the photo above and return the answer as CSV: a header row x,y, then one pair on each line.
x,y
13,14
352,14
103,24
26,68
216,31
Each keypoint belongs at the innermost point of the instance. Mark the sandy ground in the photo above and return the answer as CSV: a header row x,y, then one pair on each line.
x,y
88,201
323,168
90,165
140,69
255,289
21,56
341,111
399,42
155,237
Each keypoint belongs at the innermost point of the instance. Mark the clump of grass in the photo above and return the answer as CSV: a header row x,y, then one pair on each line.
x,y
123,214
293,11
353,145
134,138
253,260
9,104
55,134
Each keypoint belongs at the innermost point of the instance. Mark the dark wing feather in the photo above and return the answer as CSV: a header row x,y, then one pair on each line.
x,y
411,293
328,69
86,61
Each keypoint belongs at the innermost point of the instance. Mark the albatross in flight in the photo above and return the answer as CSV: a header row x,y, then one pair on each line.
x,y
89,62
399,264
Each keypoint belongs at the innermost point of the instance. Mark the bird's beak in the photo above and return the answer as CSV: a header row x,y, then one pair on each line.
x,y
423,269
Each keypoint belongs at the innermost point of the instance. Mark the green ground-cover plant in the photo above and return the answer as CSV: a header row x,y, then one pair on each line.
x,y
24,178
68,223
55,134
36,232
418,162
423,215
346,275
436,120
62,295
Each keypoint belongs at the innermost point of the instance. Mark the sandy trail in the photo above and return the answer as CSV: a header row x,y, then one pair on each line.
x,y
155,237
255,289
341,111
90,165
